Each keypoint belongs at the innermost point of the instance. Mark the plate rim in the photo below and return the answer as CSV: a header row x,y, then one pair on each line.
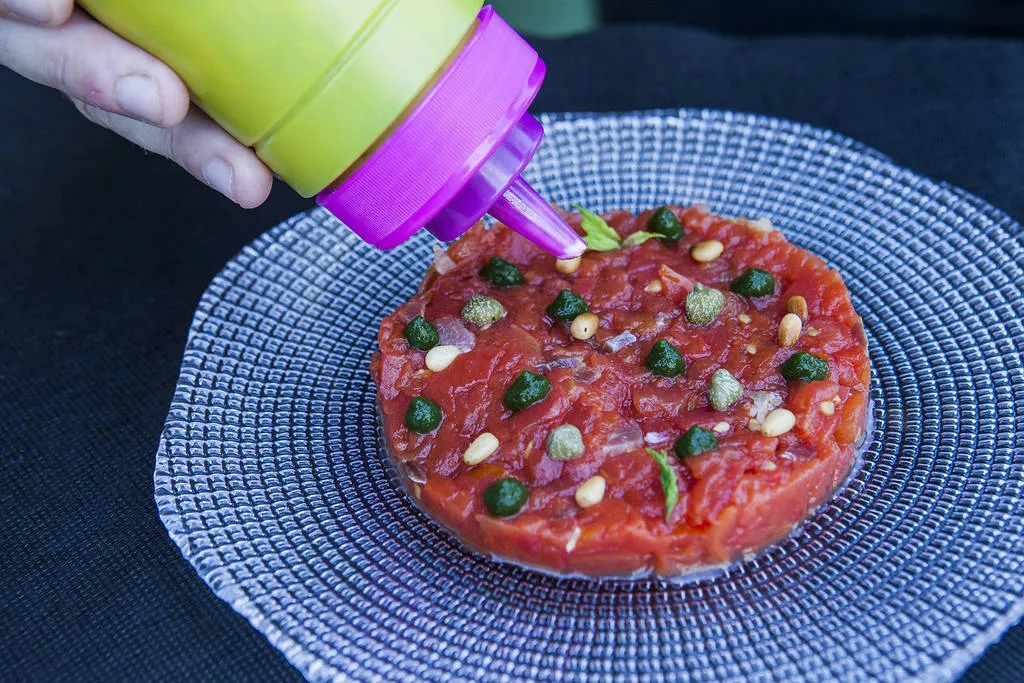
x,y
312,666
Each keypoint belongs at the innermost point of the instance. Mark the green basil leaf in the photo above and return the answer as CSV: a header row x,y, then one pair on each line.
x,y
638,238
669,485
598,235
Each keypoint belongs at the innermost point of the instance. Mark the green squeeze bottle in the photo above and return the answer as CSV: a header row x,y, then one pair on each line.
x,y
395,114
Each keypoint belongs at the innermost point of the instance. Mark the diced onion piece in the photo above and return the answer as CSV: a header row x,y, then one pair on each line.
x,y
764,402
415,472
443,263
626,438
619,341
652,438
662,321
760,225
586,374
544,367
453,332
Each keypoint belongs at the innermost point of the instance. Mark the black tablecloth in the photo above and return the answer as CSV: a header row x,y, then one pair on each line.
x,y
104,252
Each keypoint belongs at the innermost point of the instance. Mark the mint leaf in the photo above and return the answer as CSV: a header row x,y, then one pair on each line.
x,y
638,238
598,235
669,485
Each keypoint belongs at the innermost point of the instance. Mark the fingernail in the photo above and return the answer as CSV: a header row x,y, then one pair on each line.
x,y
139,97
27,10
218,174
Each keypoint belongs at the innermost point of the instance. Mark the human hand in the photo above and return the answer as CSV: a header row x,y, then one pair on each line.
x,y
123,88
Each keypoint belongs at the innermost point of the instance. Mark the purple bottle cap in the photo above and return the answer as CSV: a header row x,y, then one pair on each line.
x,y
459,154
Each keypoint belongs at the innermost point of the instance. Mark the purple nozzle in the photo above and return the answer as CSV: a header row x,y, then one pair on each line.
x,y
459,154
498,189
526,212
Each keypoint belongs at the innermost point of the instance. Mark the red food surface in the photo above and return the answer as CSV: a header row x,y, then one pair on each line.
x,y
736,499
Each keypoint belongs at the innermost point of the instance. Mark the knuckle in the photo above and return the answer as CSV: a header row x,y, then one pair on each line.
x,y
176,145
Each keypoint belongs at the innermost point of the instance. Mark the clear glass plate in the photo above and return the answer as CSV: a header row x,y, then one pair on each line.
x,y
271,478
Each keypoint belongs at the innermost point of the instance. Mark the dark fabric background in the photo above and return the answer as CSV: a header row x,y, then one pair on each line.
x,y
104,252
865,17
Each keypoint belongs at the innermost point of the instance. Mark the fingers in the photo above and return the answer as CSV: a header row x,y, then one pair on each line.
x,y
44,12
92,64
123,88
201,147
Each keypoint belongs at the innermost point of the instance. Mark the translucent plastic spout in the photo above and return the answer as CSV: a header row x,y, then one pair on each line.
x,y
498,189
526,212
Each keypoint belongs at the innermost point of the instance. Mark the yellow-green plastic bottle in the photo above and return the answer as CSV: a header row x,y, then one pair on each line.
x,y
375,105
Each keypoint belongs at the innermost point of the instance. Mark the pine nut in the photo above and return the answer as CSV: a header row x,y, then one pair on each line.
x,y
440,357
769,466
584,326
591,492
744,318
568,266
789,329
703,252
778,422
720,428
827,408
654,287
798,306
482,448
751,349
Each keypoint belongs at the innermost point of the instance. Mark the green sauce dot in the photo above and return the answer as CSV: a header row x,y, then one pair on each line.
x,y
695,441
501,273
527,389
665,224
423,415
421,334
567,306
505,497
754,282
665,360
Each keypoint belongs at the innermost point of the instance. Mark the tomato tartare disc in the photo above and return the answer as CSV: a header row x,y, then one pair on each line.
x,y
683,395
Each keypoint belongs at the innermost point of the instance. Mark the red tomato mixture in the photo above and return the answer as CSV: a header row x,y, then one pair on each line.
x,y
780,448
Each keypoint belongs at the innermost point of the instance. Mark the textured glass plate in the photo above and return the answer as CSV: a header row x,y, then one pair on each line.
x,y
271,480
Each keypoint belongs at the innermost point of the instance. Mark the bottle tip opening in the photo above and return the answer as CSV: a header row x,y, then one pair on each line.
x,y
526,212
